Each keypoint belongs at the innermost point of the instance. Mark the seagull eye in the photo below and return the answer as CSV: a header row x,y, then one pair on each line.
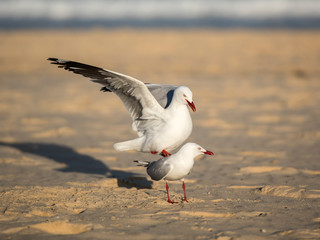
x,y
184,95
199,148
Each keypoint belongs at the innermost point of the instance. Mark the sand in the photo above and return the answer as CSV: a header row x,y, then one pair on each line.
x,y
257,98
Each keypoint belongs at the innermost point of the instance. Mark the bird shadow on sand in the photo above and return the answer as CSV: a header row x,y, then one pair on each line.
x,y
81,163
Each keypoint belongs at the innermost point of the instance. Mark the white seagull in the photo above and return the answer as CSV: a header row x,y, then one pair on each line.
x,y
159,112
175,167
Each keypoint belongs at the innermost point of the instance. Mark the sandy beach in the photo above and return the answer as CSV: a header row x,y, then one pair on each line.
x,y
257,98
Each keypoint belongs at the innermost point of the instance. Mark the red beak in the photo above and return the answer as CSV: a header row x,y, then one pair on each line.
x,y
191,105
208,152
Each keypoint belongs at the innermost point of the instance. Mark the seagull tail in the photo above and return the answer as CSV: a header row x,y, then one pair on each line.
x,y
135,144
142,163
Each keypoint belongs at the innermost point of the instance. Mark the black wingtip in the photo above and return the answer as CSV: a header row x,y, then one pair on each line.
x,y
52,59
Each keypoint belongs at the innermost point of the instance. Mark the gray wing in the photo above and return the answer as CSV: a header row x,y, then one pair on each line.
x,y
162,93
134,94
159,169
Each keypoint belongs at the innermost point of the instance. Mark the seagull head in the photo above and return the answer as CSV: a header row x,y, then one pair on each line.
x,y
195,149
186,94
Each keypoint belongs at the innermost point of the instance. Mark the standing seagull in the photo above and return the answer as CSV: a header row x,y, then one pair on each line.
x,y
175,167
159,112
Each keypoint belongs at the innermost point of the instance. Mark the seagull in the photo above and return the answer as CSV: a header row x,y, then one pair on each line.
x,y
159,112
174,167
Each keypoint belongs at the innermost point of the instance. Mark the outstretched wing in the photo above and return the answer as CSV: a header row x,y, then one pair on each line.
x,y
140,103
159,169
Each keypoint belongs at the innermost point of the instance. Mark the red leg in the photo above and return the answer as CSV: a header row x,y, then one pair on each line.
x,y
154,152
167,187
165,153
184,191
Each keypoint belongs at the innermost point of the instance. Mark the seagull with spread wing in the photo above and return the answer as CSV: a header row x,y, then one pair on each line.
x,y
159,112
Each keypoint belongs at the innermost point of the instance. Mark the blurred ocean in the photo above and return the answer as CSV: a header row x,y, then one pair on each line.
x,y
159,13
